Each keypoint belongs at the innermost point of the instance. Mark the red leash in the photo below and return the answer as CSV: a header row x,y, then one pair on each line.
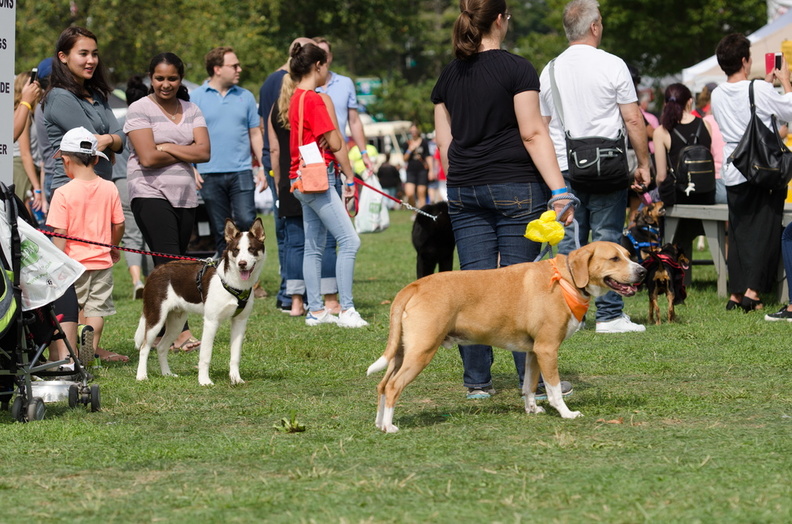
x,y
111,246
402,202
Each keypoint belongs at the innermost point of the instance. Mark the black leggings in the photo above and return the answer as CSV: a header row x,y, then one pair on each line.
x,y
165,228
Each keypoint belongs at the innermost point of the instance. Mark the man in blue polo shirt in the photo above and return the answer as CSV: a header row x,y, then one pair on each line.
x,y
232,118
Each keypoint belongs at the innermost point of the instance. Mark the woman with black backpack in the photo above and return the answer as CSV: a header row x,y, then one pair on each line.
x,y
685,167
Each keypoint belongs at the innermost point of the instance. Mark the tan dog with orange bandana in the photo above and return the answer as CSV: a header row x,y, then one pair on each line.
x,y
518,308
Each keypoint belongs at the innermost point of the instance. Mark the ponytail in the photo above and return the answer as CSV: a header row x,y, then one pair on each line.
x,y
473,23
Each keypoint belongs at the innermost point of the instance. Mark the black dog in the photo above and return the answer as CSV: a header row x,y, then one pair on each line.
x,y
433,240
665,274
644,235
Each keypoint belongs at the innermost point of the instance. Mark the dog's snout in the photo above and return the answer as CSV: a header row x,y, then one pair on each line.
x,y
242,263
640,272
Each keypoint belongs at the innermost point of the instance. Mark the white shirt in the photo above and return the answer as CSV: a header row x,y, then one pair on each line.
x,y
731,107
592,84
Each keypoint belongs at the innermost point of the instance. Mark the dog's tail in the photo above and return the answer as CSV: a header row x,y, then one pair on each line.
x,y
377,366
140,334
395,335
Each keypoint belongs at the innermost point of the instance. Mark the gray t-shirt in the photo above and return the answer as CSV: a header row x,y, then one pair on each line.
x,y
176,182
64,111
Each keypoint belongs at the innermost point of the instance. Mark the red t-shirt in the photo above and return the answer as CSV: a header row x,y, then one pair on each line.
x,y
316,122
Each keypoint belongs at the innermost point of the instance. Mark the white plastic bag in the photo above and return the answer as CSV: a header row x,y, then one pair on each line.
x,y
46,271
372,215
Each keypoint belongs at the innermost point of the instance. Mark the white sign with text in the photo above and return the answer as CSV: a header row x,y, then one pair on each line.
x,y
7,41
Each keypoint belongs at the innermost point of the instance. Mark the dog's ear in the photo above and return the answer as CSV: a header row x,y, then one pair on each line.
x,y
578,261
257,229
231,230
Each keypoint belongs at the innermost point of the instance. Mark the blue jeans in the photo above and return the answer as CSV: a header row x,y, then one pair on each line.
x,y
322,213
786,253
294,254
489,223
603,216
280,237
229,195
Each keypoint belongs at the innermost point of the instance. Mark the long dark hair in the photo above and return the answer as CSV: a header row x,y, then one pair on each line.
x,y
62,77
474,22
175,61
303,58
676,98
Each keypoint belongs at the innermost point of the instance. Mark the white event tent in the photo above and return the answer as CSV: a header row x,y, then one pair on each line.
x,y
768,39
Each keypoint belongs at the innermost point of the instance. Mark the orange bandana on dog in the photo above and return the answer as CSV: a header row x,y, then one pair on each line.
x,y
578,305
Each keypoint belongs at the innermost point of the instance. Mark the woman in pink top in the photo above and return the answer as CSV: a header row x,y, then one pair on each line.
x,y
168,134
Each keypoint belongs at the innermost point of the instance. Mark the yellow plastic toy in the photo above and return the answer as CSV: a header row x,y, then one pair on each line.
x,y
545,229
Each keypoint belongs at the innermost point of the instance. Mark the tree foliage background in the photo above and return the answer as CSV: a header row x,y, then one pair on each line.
x,y
403,42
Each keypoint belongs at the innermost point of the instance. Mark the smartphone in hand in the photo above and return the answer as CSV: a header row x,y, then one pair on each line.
x,y
33,74
772,61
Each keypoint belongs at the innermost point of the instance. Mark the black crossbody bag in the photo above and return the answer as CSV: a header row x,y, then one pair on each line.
x,y
597,164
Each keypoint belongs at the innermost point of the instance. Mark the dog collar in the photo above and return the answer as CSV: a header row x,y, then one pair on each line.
x,y
578,305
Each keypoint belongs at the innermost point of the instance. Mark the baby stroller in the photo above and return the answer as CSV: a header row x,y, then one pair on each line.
x,y
25,335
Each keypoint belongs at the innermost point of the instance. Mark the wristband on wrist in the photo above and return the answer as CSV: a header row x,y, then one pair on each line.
x,y
37,190
364,152
26,104
556,192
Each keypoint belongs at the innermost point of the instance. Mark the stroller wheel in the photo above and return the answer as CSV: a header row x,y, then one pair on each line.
x,y
74,395
96,401
36,409
16,409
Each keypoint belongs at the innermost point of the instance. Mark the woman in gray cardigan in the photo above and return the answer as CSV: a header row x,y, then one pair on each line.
x,y
77,96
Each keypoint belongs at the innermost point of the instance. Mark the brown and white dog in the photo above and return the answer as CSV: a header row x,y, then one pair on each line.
x,y
217,292
518,308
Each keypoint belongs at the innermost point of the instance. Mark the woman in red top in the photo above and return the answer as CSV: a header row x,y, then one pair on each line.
x,y
324,211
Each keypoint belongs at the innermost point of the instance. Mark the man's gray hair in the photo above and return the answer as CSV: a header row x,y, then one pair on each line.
x,y
578,17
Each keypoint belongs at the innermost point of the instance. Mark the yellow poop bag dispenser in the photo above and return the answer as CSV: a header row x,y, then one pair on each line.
x,y
545,229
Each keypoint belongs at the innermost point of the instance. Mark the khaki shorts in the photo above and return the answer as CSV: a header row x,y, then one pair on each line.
x,y
95,292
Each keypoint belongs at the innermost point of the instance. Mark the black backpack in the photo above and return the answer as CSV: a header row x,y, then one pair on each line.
x,y
692,180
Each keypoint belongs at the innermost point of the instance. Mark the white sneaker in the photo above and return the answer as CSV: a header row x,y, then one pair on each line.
x,y
621,324
351,319
322,318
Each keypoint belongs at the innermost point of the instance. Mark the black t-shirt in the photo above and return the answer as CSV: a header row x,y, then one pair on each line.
x,y
288,205
479,94
419,158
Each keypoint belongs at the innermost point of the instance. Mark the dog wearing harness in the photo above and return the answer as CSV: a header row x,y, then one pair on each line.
x,y
645,235
217,290
665,274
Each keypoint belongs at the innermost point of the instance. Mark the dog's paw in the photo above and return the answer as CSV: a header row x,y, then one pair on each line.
x,y
205,382
534,409
236,379
572,414
143,376
390,428
169,374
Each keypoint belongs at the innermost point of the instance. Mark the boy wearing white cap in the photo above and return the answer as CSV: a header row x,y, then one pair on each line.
x,y
88,207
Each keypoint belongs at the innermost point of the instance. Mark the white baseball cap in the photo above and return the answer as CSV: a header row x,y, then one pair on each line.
x,y
79,140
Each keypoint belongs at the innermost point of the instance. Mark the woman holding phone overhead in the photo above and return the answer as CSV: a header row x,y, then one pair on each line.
x,y
322,211
77,96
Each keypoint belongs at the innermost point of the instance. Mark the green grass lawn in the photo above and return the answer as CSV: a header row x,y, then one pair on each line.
x,y
688,422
